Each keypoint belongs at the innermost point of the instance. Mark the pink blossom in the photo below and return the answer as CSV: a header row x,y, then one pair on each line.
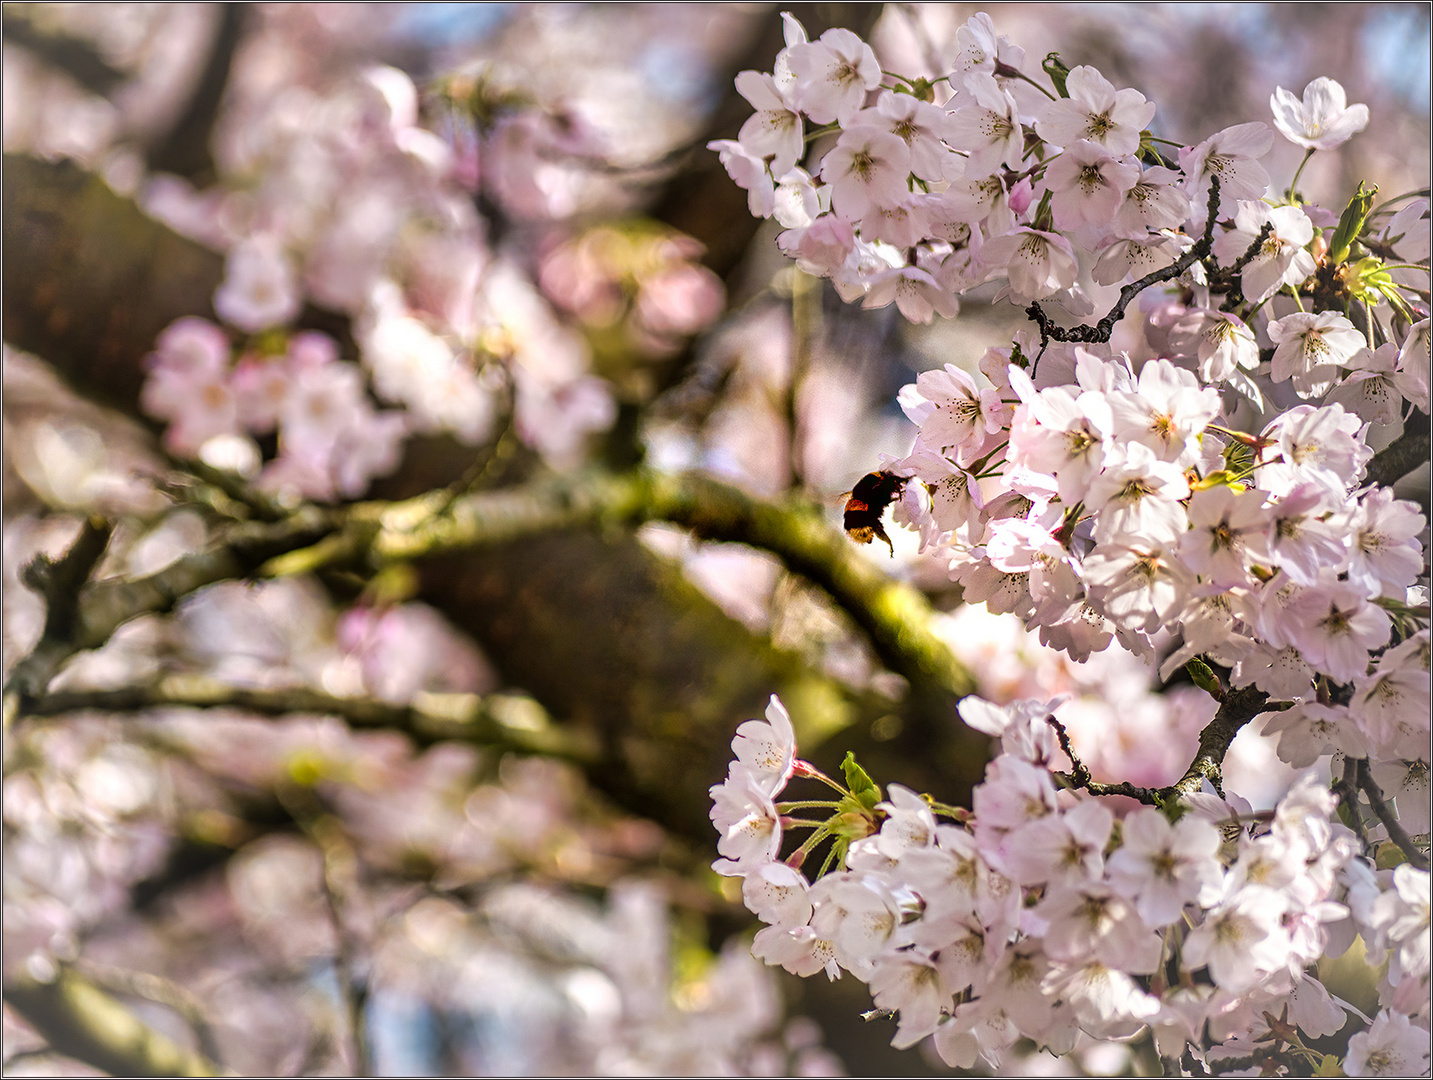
x,y
1097,112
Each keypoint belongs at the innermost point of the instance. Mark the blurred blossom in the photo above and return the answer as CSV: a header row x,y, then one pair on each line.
x,y
405,649
259,289
261,634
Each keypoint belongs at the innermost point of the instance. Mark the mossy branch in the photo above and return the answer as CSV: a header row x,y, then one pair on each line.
x,y
893,615
92,612
499,721
82,1021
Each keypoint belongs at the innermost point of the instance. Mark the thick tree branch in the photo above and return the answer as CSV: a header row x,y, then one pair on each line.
x,y
1402,456
184,150
93,279
893,615
84,1022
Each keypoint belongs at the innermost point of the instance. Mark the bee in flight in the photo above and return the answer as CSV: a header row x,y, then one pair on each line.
x,y
867,502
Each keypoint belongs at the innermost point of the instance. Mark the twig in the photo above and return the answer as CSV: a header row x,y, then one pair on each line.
x,y
1102,330
1396,832
1079,777
1237,709
59,582
194,476
1227,278
339,882
1347,789
1080,773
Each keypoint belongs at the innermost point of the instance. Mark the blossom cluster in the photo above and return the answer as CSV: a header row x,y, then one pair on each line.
x,y
1043,914
331,440
335,194
1200,499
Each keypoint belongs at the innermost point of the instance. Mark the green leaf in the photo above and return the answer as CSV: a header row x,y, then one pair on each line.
x,y
1329,1066
1058,72
863,788
1389,857
1355,214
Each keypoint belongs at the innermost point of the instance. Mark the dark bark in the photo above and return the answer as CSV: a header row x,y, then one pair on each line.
x,y
184,150
90,280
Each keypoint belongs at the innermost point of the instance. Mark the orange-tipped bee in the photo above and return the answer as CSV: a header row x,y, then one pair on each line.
x,y
867,502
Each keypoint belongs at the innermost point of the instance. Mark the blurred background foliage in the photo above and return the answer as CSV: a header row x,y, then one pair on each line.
x,y
448,813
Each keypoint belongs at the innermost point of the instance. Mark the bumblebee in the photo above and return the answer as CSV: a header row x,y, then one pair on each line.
x,y
867,502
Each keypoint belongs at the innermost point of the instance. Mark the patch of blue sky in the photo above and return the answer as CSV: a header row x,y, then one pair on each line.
x,y
1395,44
451,24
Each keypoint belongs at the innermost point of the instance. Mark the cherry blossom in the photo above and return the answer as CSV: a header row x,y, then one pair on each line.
x,y
1097,112
832,75
1322,120
1232,155
774,130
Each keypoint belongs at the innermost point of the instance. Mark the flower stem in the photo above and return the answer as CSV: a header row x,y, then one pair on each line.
x,y
1026,78
1298,173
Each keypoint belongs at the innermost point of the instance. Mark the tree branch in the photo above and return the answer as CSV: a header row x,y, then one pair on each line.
x,y
84,1022
499,721
101,279
1402,455
184,150
101,607
893,615
1237,709
1396,832
65,52
1102,330
340,882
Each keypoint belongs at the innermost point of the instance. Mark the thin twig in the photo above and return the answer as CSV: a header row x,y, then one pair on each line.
x,y
1079,777
1102,330
339,883
1385,814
